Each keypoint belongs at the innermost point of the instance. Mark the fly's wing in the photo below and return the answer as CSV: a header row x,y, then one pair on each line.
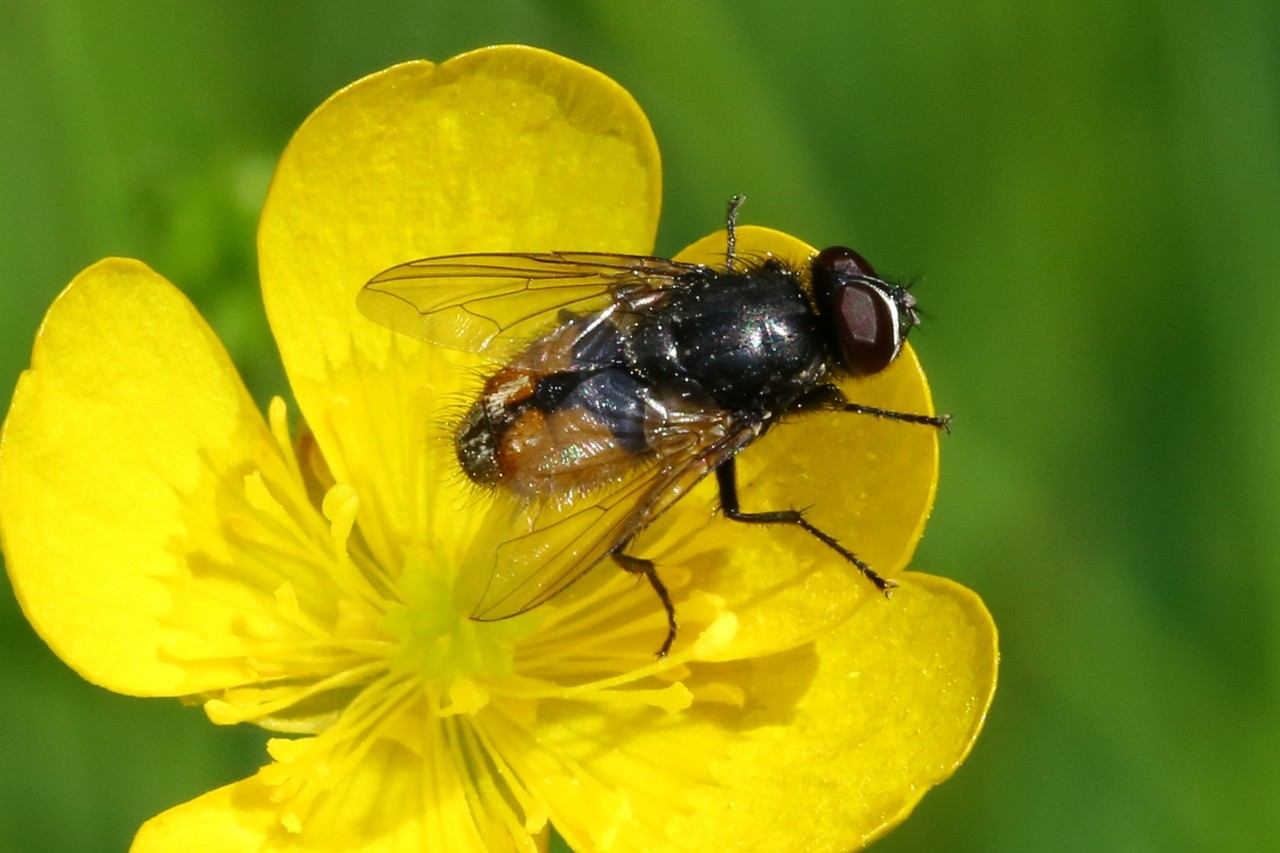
x,y
558,544
476,302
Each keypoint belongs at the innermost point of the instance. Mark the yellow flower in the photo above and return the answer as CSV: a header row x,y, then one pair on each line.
x,y
167,540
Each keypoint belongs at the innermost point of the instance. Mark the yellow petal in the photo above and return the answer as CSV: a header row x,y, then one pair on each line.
x,y
866,481
230,819
831,744
118,451
506,148
393,800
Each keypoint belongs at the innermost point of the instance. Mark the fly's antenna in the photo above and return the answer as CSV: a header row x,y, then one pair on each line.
x,y
731,226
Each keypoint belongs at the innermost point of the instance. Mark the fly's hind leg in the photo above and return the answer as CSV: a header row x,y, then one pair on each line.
x,y
727,479
645,568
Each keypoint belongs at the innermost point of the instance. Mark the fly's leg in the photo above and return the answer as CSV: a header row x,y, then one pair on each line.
x,y
727,479
830,398
645,568
731,228
942,422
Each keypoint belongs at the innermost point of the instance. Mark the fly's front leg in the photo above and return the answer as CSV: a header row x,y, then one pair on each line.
x,y
645,568
727,479
942,422
831,398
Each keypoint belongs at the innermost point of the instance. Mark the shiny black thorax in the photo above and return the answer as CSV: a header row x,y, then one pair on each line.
x,y
748,343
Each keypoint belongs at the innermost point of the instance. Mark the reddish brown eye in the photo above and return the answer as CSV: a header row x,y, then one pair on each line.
x,y
860,310
837,260
867,326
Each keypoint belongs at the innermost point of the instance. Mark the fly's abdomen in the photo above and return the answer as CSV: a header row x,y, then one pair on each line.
x,y
561,434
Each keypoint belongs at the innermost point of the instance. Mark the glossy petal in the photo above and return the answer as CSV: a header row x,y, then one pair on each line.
x,y
236,818
506,148
824,747
126,449
391,801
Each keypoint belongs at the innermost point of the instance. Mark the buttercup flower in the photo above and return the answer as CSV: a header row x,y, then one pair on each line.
x,y
304,573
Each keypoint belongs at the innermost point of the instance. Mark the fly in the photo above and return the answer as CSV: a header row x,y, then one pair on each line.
x,y
627,379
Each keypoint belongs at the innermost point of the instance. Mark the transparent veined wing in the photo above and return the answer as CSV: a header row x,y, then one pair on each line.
x,y
554,545
475,302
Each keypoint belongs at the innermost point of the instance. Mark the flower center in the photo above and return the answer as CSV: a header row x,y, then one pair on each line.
x,y
382,665
437,644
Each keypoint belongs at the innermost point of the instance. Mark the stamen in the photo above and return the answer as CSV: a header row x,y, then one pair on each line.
x,y
671,698
471,742
503,736
278,421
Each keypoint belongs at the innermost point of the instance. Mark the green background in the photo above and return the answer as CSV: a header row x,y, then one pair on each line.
x,y
1087,195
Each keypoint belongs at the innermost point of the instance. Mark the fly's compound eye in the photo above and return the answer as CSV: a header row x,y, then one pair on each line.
x,y
841,261
868,317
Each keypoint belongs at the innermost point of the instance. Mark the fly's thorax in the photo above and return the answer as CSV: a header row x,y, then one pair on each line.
x,y
748,339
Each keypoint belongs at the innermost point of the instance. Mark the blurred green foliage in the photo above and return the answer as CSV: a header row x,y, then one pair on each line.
x,y
1088,195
